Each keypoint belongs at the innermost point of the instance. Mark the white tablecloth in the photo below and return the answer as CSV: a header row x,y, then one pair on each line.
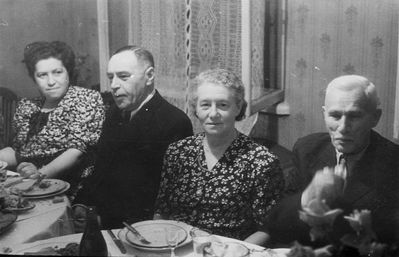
x,y
46,220
184,251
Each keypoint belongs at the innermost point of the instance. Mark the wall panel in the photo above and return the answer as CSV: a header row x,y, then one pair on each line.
x,y
328,38
25,21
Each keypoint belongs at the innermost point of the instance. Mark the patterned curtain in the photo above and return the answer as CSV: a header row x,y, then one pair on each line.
x,y
190,36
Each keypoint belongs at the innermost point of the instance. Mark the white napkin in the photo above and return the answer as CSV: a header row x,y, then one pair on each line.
x,y
12,174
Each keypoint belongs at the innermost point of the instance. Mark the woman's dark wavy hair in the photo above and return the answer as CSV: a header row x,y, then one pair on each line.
x,y
224,78
41,50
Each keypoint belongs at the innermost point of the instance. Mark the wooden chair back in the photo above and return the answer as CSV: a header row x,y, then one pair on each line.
x,y
8,103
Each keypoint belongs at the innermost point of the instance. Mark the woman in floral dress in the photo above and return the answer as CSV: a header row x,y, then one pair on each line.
x,y
219,180
56,132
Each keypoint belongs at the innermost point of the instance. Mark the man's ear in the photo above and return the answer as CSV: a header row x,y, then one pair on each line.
x,y
150,74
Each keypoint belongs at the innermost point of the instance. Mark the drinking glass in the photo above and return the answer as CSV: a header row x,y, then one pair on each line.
x,y
172,238
201,238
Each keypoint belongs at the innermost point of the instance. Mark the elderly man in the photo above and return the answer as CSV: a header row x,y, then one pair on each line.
x,y
363,166
135,136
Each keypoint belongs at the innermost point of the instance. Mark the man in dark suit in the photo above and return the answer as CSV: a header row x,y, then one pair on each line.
x,y
136,134
367,164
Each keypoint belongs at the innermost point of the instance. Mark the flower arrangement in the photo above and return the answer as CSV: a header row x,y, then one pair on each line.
x,y
361,241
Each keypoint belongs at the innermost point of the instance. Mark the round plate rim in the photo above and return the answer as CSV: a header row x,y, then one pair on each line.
x,y
122,235
50,195
47,244
26,194
26,208
167,247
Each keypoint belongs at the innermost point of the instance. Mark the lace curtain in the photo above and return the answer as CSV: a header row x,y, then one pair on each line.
x,y
187,37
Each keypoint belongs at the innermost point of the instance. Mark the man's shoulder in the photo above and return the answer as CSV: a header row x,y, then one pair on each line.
x,y
165,106
168,111
379,140
313,141
383,146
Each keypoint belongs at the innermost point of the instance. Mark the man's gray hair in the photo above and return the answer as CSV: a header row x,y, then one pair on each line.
x,y
352,82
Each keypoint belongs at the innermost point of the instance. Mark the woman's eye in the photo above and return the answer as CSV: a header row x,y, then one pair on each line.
x,y
223,105
41,75
57,72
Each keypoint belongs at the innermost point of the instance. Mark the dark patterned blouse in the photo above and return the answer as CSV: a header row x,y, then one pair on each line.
x,y
75,123
232,199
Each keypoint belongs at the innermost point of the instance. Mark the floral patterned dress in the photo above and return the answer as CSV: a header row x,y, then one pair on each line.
x,y
75,123
232,199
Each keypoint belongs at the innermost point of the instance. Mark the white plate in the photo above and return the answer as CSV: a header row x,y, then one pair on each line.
x,y
40,246
156,231
67,186
55,185
28,207
123,233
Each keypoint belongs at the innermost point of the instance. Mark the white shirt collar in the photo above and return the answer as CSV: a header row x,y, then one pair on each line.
x,y
146,100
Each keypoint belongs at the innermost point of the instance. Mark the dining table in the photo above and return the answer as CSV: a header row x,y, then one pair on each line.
x,y
184,251
50,217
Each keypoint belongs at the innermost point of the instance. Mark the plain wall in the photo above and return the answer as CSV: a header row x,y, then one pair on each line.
x,y
26,21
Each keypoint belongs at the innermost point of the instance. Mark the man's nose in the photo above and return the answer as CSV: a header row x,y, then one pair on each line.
x,y
114,83
343,124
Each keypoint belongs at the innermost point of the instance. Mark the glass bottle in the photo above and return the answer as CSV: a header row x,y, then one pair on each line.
x,y
93,242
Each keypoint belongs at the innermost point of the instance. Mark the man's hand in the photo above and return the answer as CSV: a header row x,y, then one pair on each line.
x,y
28,170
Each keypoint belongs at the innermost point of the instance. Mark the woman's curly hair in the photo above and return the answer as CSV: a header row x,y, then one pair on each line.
x,y
41,50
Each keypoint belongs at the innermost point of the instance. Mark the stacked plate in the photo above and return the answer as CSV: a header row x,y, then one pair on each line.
x,y
53,187
155,232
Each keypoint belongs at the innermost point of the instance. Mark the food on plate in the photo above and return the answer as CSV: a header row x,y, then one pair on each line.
x,y
11,201
44,184
71,249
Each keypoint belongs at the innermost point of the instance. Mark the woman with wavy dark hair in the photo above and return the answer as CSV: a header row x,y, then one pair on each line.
x,y
54,133
219,180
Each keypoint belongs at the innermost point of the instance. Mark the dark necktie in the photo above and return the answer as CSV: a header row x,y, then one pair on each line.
x,y
342,168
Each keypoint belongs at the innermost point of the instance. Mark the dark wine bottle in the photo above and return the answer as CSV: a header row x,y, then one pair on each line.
x,y
93,242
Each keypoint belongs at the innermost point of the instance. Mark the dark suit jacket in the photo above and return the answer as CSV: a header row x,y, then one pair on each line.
x,y
373,185
126,175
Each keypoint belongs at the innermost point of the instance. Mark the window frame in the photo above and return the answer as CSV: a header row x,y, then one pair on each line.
x,y
275,94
